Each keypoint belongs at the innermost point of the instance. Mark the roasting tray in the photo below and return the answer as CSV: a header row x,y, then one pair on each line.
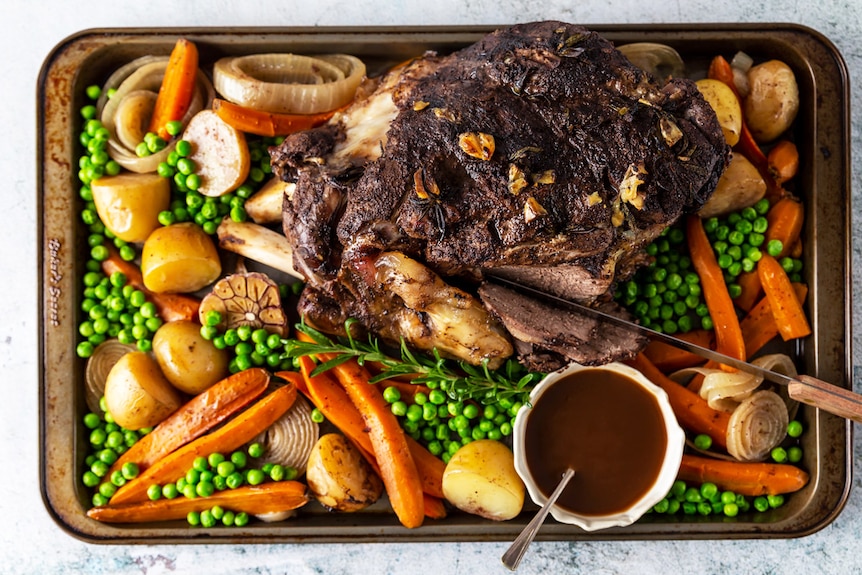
x,y
821,132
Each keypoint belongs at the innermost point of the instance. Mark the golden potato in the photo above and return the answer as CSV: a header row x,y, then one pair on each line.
x,y
726,105
179,258
481,479
339,477
137,394
772,101
129,204
740,186
191,363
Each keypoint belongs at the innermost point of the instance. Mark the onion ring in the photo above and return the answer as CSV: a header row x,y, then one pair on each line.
x,y
290,439
133,83
99,366
289,83
757,425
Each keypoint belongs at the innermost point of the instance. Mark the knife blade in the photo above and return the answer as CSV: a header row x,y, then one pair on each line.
x,y
803,388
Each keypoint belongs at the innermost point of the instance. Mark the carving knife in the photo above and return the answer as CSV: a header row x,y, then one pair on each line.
x,y
803,388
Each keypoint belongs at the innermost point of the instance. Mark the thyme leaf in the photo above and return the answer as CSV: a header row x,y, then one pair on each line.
x,y
458,379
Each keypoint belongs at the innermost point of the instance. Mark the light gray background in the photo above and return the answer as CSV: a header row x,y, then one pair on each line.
x,y
31,543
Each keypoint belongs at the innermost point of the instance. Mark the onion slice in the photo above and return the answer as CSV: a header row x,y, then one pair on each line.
x,y
290,439
756,426
659,60
99,366
123,119
289,83
722,390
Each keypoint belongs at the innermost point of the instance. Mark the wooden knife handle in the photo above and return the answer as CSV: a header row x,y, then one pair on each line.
x,y
830,398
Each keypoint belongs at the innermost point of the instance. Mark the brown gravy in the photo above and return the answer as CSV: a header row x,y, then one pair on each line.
x,y
608,428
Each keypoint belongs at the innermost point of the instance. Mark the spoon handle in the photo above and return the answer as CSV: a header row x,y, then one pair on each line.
x,y
512,557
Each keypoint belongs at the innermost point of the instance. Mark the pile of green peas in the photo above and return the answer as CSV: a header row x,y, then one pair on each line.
x,y
739,242
248,346
666,295
443,426
708,499
114,308
218,472
188,204
107,442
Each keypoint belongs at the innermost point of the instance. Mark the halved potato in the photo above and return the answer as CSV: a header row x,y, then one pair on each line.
x,y
339,477
180,258
219,151
726,106
129,203
481,479
137,394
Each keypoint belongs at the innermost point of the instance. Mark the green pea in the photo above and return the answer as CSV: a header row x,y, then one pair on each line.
x,y
107,489
774,247
154,492
794,454
775,501
226,468
204,488
129,470
241,519
761,503
703,441
778,454
239,459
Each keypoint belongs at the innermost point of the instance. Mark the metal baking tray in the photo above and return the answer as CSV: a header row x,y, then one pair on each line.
x,y
821,133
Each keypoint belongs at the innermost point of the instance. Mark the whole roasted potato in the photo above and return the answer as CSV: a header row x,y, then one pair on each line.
x,y
773,100
179,258
190,362
137,394
740,186
339,477
726,106
481,479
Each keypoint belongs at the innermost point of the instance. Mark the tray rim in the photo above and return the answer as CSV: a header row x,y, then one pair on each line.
x,y
395,533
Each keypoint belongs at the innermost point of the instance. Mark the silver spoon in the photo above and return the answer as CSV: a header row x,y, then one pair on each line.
x,y
513,555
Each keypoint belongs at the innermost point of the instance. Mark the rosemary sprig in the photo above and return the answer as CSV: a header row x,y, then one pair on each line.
x,y
458,379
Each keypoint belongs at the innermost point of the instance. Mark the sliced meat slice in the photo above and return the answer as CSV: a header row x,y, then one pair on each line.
x,y
574,336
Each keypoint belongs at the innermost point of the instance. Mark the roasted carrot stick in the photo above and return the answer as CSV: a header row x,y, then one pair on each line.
x,y
783,161
252,499
668,358
178,87
691,410
785,219
332,401
171,306
434,507
267,123
397,467
786,308
750,479
751,290
728,336
232,435
196,417
759,327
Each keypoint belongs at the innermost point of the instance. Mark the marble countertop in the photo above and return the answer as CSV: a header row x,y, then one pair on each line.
x,y
32,543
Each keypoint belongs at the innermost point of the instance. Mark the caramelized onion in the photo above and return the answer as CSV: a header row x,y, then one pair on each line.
x,y
99,365
289,83
722,390
757,425
125,117
290,439
660,60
